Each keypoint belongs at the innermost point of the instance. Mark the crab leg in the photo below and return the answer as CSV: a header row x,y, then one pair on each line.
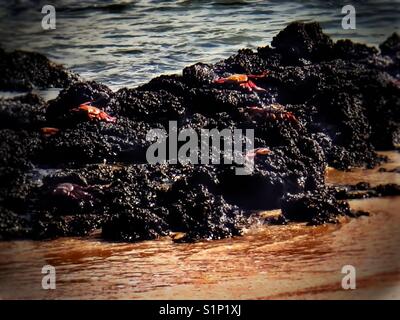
x,y
252,86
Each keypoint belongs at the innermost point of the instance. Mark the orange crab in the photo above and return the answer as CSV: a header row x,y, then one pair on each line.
x,y
273,112
244,81
93,112
49,131
258,152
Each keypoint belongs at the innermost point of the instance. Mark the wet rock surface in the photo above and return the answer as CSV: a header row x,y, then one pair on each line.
x,y
78,163
364,190
313,207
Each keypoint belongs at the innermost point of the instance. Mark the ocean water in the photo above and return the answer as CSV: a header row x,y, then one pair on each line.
x,y
126,43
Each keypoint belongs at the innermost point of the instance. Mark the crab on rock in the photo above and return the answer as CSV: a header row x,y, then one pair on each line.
x,y
272,112
93,112
257,152
243,80
49,131
71,191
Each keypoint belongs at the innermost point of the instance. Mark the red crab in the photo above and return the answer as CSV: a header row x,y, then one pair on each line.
x,y
273,112
72,191
258,152
48,131
243,80
94,112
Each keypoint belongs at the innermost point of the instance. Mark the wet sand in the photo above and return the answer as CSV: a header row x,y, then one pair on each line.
x,y
268,262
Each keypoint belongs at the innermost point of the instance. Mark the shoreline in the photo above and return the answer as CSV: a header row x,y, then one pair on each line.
x,y
287,262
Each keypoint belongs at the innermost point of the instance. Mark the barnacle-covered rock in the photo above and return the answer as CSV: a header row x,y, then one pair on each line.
x,y
22,70
302,41
391,46
66,170
151,106
314,207
59,111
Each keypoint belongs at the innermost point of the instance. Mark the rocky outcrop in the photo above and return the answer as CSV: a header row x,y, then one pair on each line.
x,y
316,103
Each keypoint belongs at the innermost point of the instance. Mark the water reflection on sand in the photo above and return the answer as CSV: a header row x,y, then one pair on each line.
x,y
274,262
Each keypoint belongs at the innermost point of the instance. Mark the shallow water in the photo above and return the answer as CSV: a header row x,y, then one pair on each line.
x,y
373,176
126,43
268,262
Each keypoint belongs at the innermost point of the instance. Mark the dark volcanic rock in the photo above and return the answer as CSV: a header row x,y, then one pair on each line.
x,y
200,213
296,164
151,106
211,101
363,190
342,118
21,70
348,50
47,226
245,61
64,173
390,189
134,224
18,148
302,41
25,112
131,204
174,84
97,142
59,113
391,46
12,225
199,74
313,207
